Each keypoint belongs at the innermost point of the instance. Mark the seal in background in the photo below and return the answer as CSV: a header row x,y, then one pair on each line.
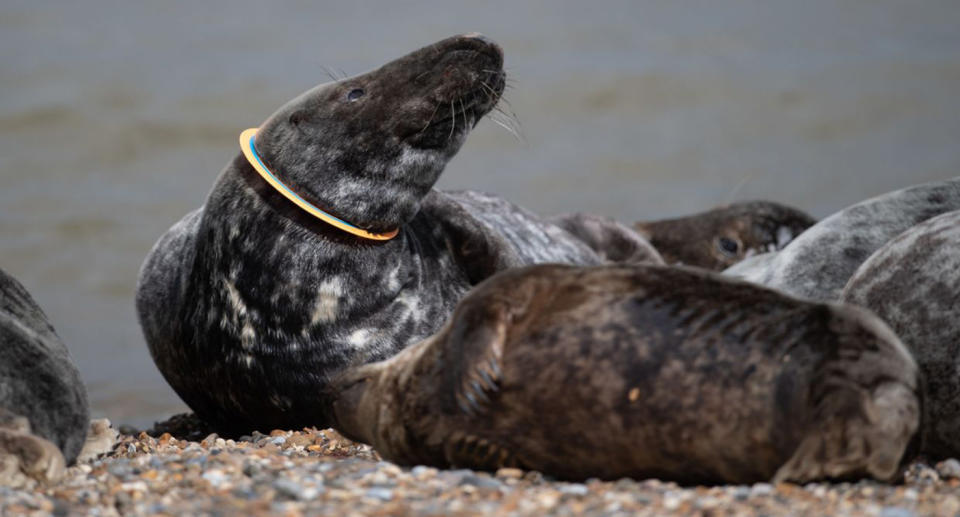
x,y
721,237
818,263
913,284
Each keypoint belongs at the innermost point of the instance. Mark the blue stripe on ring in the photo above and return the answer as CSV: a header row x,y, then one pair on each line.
x,y
253,149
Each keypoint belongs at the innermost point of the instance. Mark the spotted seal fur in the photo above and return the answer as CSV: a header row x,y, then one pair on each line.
x,y
43,403
644,371
818,263
249,304
721,237
913,284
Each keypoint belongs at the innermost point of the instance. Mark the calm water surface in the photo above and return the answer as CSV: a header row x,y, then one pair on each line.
x,y
116,117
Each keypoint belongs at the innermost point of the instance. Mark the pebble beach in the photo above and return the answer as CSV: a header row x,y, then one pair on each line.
x,y
176,468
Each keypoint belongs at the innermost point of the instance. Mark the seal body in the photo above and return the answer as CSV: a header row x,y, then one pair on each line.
x,y
819,262
38,380
643,371
249,304
721,237
913,284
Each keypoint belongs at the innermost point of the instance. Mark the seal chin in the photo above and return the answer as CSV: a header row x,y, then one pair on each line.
x,y
455,116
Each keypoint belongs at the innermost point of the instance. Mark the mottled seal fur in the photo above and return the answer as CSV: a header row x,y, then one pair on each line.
x,y
818,263
249,305
913,284
611,240
721,237
38,380
644,371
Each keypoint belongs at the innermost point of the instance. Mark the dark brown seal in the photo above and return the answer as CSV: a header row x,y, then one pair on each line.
x,y
646,371
721,237
913,284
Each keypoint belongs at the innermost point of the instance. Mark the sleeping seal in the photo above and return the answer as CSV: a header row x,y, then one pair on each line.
x,y
324,245
644,371
820,261
43,403
721,237
913,284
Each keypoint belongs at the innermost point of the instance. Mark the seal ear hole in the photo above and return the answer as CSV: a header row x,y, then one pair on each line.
x,y
728,246
355,94
297,117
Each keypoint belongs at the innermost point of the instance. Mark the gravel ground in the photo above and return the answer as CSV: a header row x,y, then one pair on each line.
x,y
321,473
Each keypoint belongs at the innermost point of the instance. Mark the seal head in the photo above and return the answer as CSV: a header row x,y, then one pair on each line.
x,y
368,148
721,237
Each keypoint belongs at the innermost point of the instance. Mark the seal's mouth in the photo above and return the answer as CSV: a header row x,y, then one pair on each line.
x,y
455,117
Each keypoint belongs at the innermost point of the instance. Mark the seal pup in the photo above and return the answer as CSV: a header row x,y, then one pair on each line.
x,y
913,284
643,371
250,303
43,403
721,237
818,263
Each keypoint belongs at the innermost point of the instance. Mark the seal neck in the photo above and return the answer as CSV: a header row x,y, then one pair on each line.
x,y
250,153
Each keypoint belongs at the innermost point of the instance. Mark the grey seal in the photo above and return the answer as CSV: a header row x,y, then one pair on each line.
x,y
43,402
913,284
723,236
249,304
642,371
818,263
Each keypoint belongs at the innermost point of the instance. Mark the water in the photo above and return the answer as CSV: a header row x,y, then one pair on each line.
x,y
116,117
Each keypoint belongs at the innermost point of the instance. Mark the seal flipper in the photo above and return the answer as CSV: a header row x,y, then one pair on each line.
x,y
479,251
470,451
842,447
479,332
866,405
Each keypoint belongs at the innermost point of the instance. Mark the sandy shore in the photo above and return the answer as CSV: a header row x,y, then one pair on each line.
x,y
321,473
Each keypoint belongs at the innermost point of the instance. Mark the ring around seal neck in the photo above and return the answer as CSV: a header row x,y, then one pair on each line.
x,y
247,141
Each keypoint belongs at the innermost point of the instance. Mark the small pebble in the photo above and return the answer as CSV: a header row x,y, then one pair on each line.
x,y
574,489
949,469
383,494
178,475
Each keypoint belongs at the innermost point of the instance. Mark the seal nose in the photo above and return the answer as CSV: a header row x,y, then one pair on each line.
x,y
487,42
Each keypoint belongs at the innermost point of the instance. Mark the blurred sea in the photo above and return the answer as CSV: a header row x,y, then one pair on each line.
x,y
116,117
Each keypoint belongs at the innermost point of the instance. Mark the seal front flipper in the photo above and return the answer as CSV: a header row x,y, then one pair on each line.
x,y
480,331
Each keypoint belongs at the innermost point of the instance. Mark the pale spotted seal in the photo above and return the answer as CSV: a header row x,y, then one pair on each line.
x,y
644,371
43,403
250,303
721,237
818,263
913,284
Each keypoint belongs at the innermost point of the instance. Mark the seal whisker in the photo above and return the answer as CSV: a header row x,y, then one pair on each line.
x,y
506,127
430,120
453,122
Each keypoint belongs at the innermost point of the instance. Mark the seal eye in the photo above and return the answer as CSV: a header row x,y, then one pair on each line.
x,y
355,94
728,246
